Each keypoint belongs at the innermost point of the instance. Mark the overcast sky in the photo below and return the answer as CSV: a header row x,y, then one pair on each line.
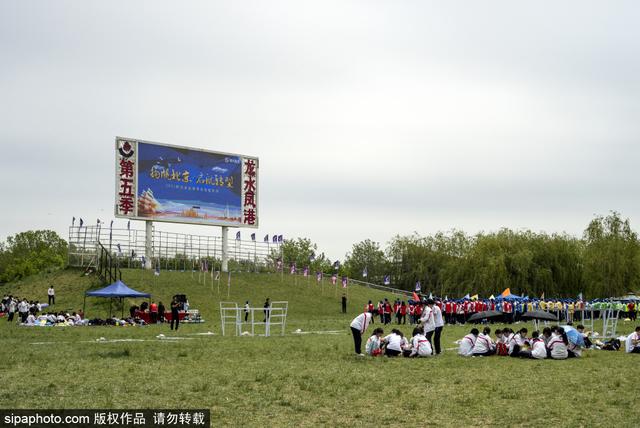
x,y
370,118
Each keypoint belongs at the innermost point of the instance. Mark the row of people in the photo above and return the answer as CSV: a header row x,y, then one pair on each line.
x,y
396,344
552,343
11,306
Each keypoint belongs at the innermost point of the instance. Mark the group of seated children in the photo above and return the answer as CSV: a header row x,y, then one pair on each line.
x,y
53,318
396,344
552,344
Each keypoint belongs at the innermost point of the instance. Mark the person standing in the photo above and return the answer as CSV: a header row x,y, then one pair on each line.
x,y
358,327
11,308
161,310
439,323
52,296
344,303
267,309
246,311
23,310
153,311
428,322
175,313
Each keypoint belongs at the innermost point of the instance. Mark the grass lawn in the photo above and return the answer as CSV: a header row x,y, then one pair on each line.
x,y
295,380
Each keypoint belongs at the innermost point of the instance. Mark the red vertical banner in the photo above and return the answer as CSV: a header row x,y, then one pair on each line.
x,y
126,173
250,192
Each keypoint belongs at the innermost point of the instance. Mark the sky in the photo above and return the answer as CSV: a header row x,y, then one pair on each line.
x,y
370,119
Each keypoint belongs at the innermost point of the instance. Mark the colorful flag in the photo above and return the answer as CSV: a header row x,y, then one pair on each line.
x,y
253,236
119,249
467,297
344,282
266,238
364,272
430,295
542,296
416,297
312,257
336,265
492,297
334,279
238,236
506,292
293,269
580,296
275,239
280,239
81,222
474,297
279,264
387,280
319,276
306,272
418,287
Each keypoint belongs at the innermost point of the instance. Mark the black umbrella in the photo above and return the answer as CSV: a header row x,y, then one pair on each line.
x,y
479,316
539,315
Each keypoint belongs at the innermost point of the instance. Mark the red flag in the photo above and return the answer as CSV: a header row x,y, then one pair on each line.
x,y
415,297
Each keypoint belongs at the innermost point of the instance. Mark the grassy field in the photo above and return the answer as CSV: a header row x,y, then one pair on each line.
x,y
295,380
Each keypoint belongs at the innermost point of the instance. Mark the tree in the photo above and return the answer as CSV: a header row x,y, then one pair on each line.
x,y
611,256
366,254
31,252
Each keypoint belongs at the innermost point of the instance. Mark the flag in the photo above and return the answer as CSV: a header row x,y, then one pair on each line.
x,y
418,286
280,239
129,225
336,265
364,272
266,238
73,222
334,279
133,254
492,297
344,282
387,280
416,297
506,292
312,257
98,221
238,236
119,249
279,264
157,271
275,239
81,222
467,297
253,236
580,296
293,269
319,276
306,272
474,297
542,296
144,261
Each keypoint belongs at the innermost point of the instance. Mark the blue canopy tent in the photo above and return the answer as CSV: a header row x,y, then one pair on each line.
x,y
117,290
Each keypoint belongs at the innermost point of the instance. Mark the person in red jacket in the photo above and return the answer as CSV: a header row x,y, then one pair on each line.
x,y
386,308
403,314
396,310
153,311
417,313
412,313
381,311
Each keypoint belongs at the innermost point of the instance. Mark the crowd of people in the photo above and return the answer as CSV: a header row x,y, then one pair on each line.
x,y
551,343
31,313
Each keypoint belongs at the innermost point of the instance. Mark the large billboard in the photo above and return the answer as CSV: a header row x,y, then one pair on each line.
x,y
162,182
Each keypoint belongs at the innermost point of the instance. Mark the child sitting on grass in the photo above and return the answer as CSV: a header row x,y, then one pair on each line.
x,y
420,346
373,344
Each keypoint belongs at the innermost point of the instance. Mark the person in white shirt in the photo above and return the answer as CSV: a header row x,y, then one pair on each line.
x,y
393,344
517,342
428,322
439,323
538,348
484,345
246,311
358,327
468,342
31,320
420,346
372,347
557,345
23,310
52,296
632,344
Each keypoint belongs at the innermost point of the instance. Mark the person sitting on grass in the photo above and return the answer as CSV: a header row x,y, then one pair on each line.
x,y
632,344
517,342
538,348
484,345
585,336
393,343
557,346
372,346
420,346
468,342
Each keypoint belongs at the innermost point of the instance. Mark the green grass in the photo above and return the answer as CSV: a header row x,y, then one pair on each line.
x,y
295,380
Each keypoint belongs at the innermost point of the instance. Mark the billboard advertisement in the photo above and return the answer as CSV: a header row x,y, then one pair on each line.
x,y
162,182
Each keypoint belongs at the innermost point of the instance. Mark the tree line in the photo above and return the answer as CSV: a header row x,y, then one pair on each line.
x,y
604,262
